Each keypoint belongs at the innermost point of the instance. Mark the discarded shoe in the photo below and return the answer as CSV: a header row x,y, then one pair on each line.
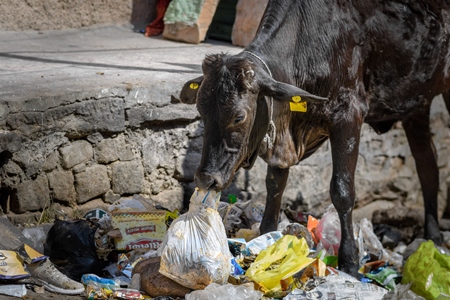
x,y
44,273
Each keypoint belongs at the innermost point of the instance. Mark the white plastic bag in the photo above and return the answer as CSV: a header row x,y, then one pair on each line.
x,y
225,292
195,250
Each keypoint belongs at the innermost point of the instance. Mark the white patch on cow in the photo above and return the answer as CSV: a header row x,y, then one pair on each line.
x,y
356,57
351,142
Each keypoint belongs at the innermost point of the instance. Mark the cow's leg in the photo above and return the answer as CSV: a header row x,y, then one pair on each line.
x,y
344,140
446,97
417,129
276,179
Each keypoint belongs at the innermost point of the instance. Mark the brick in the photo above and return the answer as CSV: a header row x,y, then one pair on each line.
x,y
92,183
62,185
248,17
31,195
75,153
127,177
188,21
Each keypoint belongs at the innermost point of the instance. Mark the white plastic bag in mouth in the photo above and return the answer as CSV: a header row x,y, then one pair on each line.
x,y
209,198
195,250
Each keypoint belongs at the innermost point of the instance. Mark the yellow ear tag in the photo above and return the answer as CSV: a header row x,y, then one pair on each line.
x,y
300,107
193,86
296,99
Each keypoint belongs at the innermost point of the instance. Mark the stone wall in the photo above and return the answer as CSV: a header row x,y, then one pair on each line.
x,y
74,153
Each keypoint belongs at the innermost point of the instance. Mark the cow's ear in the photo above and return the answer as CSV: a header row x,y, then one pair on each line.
x,y
287,92
189,92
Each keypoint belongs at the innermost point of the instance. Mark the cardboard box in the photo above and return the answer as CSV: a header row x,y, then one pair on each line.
x,y
139,229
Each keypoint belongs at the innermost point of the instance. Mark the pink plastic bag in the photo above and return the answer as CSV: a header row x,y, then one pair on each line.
x,y
328,232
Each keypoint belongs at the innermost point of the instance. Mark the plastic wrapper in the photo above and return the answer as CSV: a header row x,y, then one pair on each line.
x,y
238,247
93,292
29,255
340,286
402,291
371,243
236,269
195,250
124,265
429,272
11,266
262,242
227,291
385,277
284,258
15,290
99,282
240,216
328,232
283,221
37,236
127,294
311,226
370,246
314,272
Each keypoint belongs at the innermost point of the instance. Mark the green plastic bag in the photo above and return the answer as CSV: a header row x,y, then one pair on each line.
x,y
428,271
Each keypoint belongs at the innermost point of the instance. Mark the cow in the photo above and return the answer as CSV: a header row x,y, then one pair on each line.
x,y
316,70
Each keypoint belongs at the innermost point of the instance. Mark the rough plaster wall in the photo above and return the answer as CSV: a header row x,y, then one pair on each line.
x,y
16,15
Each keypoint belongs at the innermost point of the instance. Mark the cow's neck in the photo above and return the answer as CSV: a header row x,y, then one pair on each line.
x,y
296,41
269,137
282,45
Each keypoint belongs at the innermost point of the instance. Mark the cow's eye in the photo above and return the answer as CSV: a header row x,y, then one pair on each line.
x,y
239,119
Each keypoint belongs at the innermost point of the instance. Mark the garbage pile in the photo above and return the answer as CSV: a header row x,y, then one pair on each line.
x,y
215,251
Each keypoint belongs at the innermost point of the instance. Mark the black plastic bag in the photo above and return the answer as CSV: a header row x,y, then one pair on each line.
x,y
71,247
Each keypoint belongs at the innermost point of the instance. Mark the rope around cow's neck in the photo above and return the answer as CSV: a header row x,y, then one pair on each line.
x,y
269,138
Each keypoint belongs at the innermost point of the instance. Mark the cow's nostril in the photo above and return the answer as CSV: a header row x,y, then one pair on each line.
x,y
204,181
209,184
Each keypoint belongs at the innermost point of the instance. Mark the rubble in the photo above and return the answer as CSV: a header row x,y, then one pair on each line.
x,y
298,261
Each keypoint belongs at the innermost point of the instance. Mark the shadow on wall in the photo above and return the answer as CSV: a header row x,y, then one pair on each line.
x,y
5,193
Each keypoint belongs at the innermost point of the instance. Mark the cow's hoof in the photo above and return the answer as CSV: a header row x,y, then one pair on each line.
x,y
437,240
433,233
350,270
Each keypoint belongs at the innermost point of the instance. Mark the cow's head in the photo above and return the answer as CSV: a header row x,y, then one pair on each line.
x,y
231,99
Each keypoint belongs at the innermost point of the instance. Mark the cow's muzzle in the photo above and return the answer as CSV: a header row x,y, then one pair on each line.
x,y
209,181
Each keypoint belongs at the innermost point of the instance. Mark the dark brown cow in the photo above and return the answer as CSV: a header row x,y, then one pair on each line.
x,y
375,61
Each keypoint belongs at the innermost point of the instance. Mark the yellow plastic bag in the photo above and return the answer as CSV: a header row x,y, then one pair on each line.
x,y
280,260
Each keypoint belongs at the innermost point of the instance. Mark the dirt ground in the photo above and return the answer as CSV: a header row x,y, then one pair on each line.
x,y
32,295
